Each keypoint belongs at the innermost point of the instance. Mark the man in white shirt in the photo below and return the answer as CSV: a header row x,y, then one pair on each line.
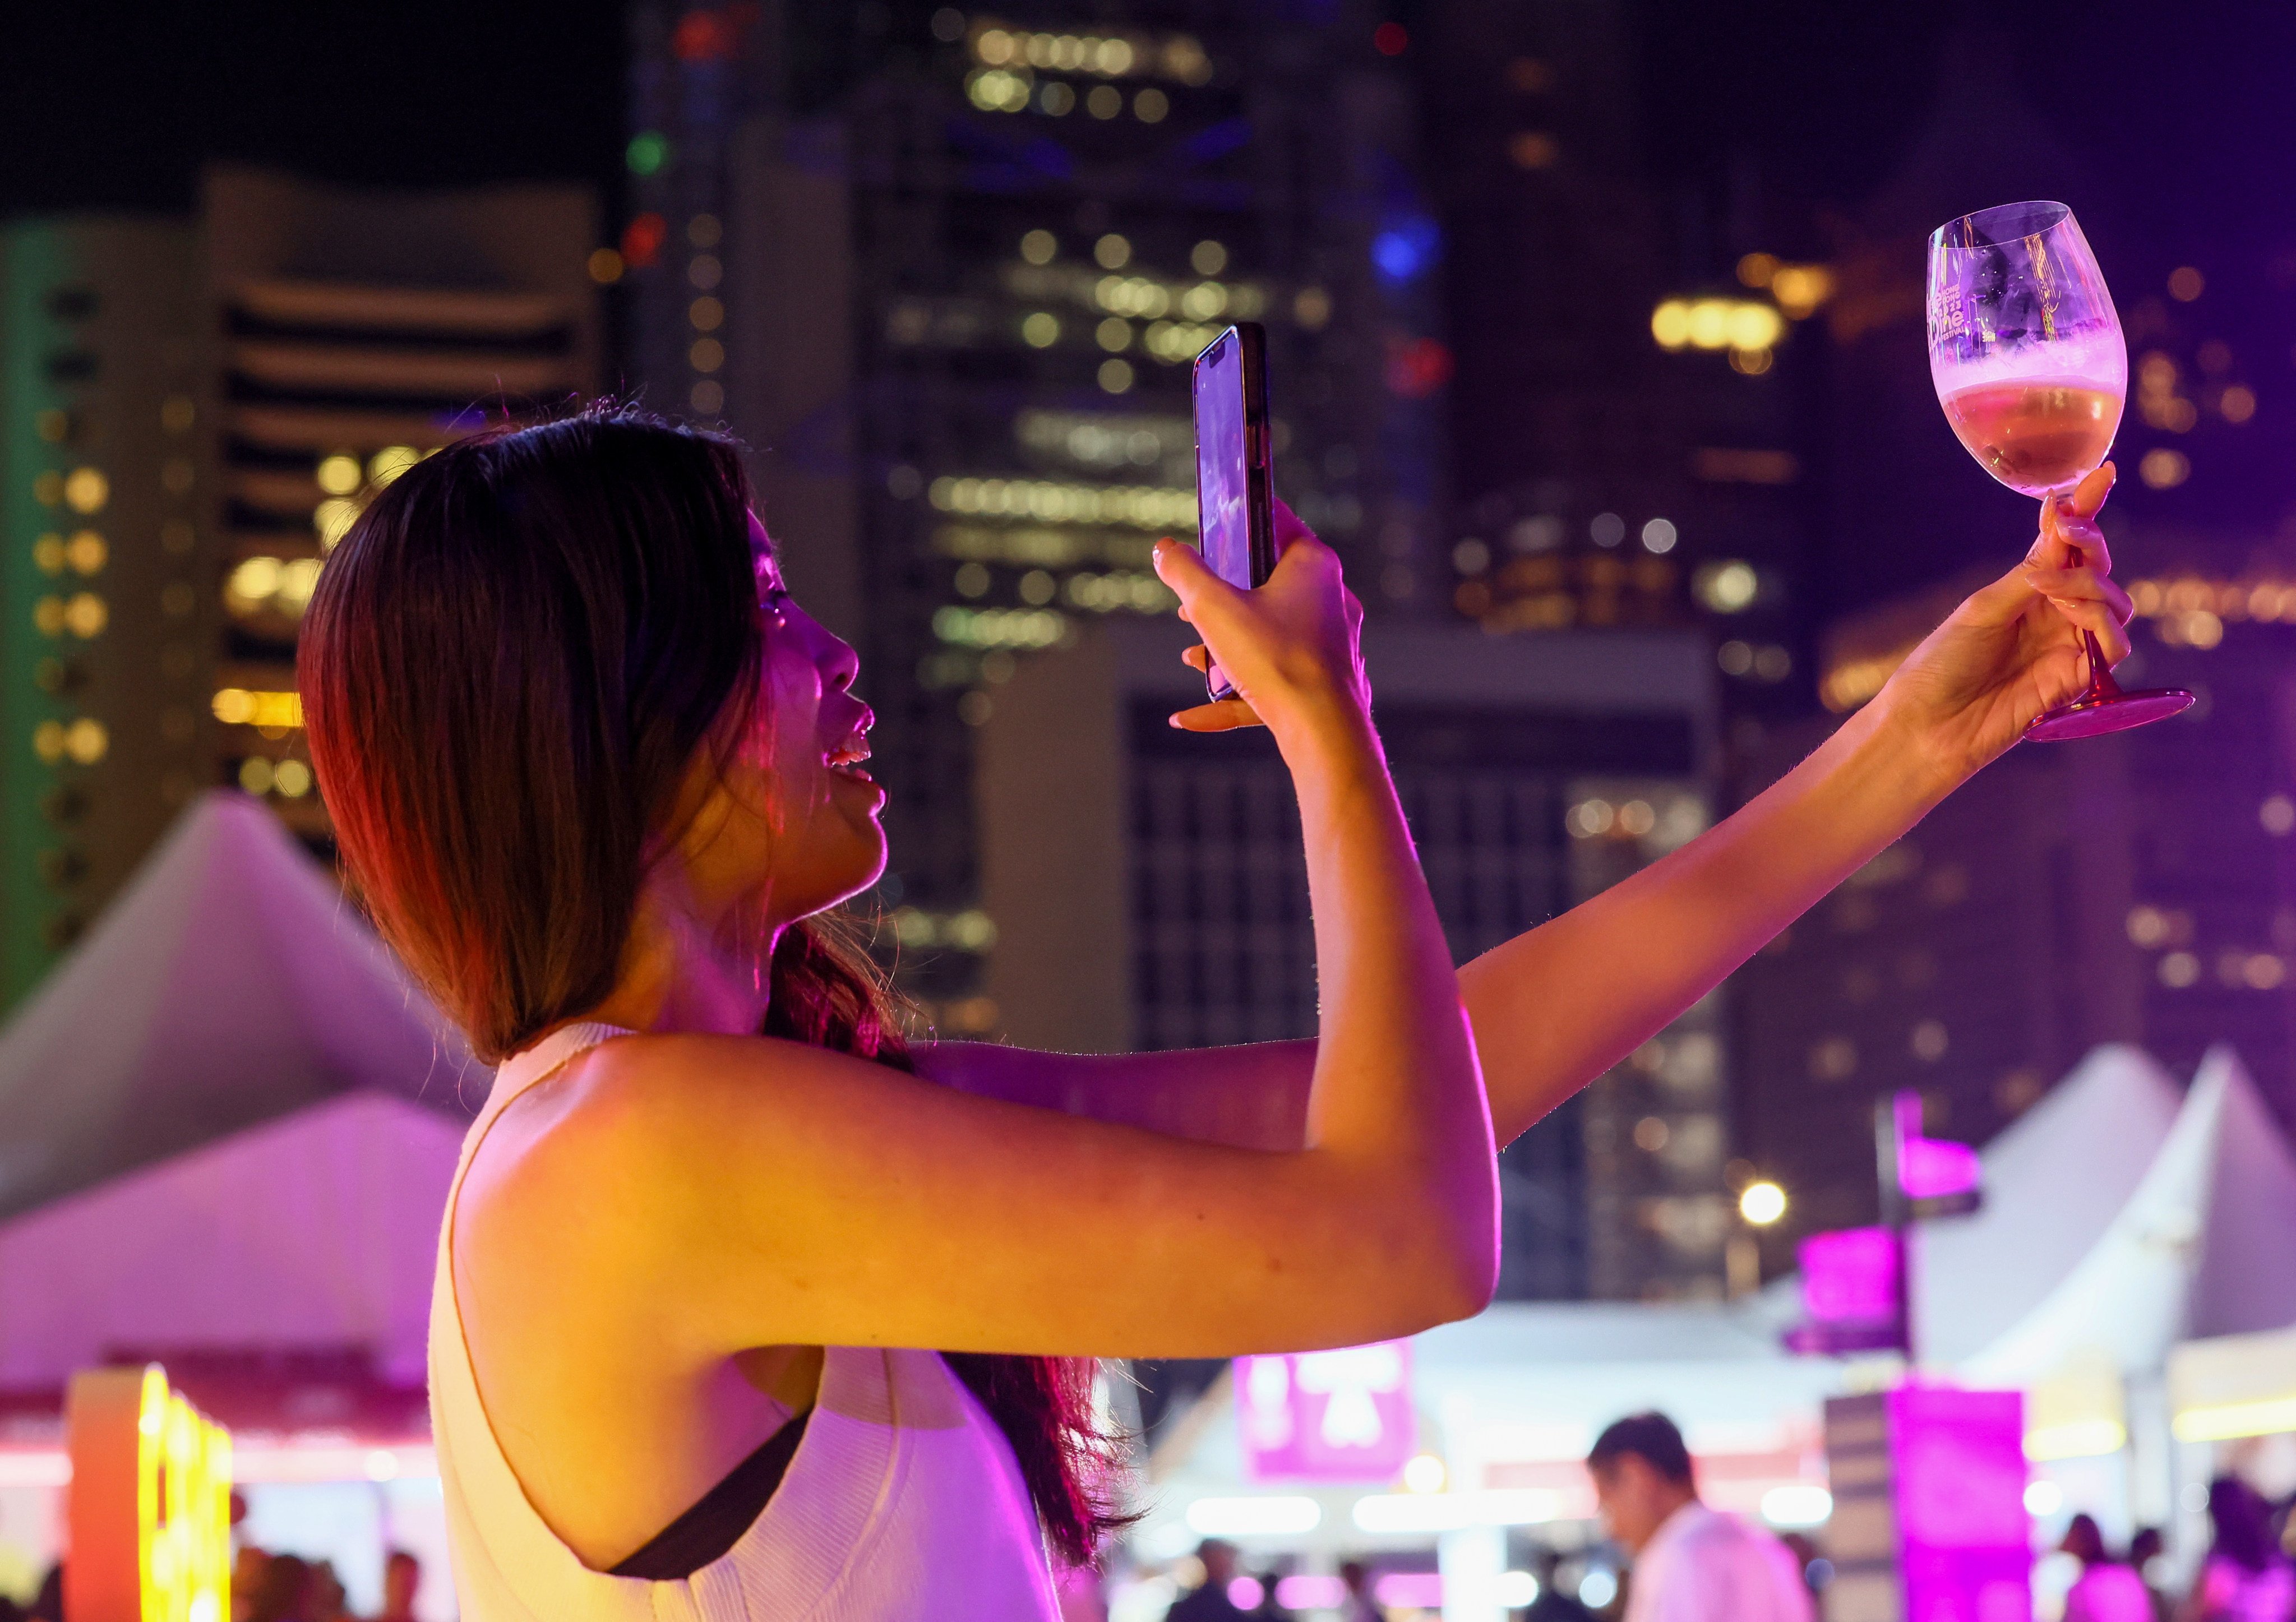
x,y
1691,1564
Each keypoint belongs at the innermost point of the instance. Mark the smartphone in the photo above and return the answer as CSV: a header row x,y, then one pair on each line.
x,y
1234,499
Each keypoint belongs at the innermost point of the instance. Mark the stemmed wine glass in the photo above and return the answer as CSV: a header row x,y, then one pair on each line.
x,y
2026,352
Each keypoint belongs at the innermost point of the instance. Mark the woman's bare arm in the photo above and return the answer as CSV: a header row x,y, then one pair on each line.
x,y
1558,1005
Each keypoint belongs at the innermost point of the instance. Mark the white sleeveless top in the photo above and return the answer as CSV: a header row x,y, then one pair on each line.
x,y
902,1498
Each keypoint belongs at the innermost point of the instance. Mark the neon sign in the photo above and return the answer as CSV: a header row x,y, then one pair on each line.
x,y
1341,1415
150,1503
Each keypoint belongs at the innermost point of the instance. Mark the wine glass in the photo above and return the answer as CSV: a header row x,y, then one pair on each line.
x,y
2026,352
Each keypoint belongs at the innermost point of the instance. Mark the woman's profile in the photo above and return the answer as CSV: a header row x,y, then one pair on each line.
x,y
745,1307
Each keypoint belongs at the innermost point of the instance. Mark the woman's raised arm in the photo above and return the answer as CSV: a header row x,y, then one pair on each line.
x,y
1558,1005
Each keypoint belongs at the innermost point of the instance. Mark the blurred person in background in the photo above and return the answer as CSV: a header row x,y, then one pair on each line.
x,y
325,1599
285,1591
2146,1547
2106,1590
1207,1600
1554,1603
1270,1609
246,1579
2245,1577
48,1601
402,1580
1359,1606
1691,1563
598,778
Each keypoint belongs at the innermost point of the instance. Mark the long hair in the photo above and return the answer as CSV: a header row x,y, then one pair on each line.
x,y
511,662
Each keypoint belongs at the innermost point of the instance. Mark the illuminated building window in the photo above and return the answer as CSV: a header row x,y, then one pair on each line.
x,y
86,551
1150,106
705,313
707,355
332,519
87,490
244,707
340,474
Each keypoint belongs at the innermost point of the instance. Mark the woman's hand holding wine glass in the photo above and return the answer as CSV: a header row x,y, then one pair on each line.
x,y
2013,651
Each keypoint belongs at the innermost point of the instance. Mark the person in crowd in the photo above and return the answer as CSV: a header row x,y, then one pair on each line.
x,y
2245,1577
402,1580
2107,1590
1208,1600
285,1591
598,778
2145,1548
1359,1606
247,1568
1691,1563
48,1600
1554,1603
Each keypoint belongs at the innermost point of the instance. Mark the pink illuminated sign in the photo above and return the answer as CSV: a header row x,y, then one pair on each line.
x,y
1932,1169
1964,1539
1850,1276
1341,1415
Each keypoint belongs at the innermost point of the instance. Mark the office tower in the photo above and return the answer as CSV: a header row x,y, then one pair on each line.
x,y
194,409
952,304
100,672
1148,891
1629,411
2137,887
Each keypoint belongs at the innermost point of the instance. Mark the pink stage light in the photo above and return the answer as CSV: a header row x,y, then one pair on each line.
x,y
1850,1276
1421,1590
1310,1591
1339,1415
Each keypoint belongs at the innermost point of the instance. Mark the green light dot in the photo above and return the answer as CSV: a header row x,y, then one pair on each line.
x,y
649,152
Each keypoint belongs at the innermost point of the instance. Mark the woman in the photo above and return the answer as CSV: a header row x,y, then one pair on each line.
x,y
2107,1590
596,776
2245,1578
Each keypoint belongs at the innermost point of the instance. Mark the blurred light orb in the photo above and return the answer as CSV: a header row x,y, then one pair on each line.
x,y
1726,588
1208,258
1659,536
340,474
2044,1499
1112,252
1425,1473
1040,247
648,152
2185,283
1762,1203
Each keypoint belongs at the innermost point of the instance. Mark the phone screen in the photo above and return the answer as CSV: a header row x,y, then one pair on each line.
x,y
1223,496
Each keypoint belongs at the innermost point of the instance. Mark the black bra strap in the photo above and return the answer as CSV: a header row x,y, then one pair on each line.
x,y
719,1517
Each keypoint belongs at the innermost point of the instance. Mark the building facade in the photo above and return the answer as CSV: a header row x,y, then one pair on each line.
x,y
1148,891
194,410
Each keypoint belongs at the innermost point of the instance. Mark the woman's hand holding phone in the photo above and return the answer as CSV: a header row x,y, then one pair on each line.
x,y
1293,648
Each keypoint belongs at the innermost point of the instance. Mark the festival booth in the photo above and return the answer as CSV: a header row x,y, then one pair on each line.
x,y
227,1126
2127,1272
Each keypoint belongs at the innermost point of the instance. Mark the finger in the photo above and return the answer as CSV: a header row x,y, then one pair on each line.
x,y
2081,585
1288,526
1220,715
2098,621
1198,659
1183,567
2002,601
2088,495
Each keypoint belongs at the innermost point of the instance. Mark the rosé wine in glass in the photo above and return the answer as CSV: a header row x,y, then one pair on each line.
x,y
2030,363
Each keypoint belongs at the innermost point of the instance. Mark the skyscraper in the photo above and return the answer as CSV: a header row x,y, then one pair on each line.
x,y
191,411
953,304
1148,891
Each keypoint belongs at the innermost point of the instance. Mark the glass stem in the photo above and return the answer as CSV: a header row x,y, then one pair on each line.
x,y
2101,684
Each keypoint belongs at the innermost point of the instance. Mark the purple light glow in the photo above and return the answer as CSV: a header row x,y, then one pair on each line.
x,y
1326,1416
1850,1276
1930,1169
1964,1535
1421,1589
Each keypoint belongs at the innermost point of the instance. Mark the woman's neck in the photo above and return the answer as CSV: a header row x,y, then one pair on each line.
x,y
680,973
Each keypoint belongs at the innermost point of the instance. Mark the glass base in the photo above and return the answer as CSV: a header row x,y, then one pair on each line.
x,y
2089,716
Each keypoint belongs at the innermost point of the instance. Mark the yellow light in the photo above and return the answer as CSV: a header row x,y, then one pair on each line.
x,y
340,474
1800,289
293,778
1751,363
48,616
255,774
86,615
605,266
1041,330
86,740
1670,323
2076,1440
706,314
1755,269
87,490
1114,334
149,1507
48,741
1112,252
1105,101
707,355
1116,376
86,552
1762,1203
1113,57
2228,1421
388,462
1425,1473
246,706
1203,301
48,555
1754,326
332,518
1039,247
992,46
1208,258
1151,105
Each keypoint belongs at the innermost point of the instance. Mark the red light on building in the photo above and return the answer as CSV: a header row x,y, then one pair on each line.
x,y
702,37
641,240
1390,38
1418,367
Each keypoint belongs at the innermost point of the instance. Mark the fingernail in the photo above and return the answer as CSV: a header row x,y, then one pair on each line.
x,y
1173,722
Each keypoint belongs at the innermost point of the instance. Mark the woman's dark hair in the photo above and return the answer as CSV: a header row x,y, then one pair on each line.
x,y
511,664
2085,1541
2243,1524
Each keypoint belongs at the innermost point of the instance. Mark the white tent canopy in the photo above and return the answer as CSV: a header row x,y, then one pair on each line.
x,y
229,984
314,1231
